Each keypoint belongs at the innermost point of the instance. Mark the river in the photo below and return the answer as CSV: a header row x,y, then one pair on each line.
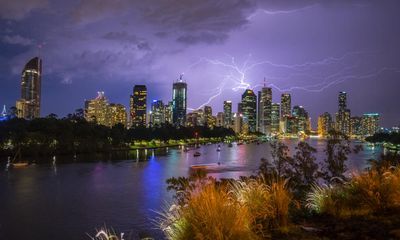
x,y
67,200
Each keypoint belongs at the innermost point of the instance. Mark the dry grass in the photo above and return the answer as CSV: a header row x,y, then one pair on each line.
x,y
211,213
370,192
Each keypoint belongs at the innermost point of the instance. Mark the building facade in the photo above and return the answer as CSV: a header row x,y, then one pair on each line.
x,y
249,109
138,106
286,105
179,102
157,113
264,110
28,106
275,118
228,117
324,124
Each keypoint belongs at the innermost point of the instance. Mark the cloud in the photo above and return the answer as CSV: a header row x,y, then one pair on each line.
x,y
17,40
124,37
18,9
203,37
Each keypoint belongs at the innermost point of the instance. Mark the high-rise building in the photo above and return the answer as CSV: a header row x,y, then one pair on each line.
x,y
227,114
289,125
157,113
117,114
96,110
275,118
370,123
220,119
343,115
302,118
208,117
195,118
138,106
264,110
179,102
324,124
238,123
28,106
168,112
249,108
286,105
355,126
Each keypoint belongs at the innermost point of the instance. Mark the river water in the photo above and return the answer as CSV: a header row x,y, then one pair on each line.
x,y
66,201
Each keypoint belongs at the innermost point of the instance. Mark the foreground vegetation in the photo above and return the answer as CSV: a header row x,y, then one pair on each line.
x,y
73,135
291,197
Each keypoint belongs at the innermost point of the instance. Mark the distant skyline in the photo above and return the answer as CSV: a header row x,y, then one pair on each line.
x,y
313,48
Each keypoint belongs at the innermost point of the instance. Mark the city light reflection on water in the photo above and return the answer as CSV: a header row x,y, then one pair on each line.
x,y
65,201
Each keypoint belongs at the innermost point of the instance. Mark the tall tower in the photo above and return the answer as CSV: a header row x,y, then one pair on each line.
x,y
138,106
249,108
264,110
28,106
228,114
179,102
286,105
343,115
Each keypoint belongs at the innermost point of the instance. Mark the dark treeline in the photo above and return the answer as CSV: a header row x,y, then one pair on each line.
x,y
73,135
393,138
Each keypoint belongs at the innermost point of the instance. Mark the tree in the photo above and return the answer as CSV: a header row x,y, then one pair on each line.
x,y
280,157
338,147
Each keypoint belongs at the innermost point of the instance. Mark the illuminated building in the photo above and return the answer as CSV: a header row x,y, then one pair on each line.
x,y
28,106
96,110
356,126
220,119
370,123
117,114
264,110
324,124
168,113
4,116
249,109
227,114
179,102
138,106
208,117
302,119
286,105
343,115
289,125
275,118
195,118
237,123
157,113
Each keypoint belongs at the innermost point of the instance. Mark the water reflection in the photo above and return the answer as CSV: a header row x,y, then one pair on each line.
x,y
75,198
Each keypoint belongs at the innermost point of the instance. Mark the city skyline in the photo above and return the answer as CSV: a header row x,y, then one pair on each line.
x,y
316,57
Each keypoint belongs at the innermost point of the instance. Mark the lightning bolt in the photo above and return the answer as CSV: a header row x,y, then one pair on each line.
x,y
237,74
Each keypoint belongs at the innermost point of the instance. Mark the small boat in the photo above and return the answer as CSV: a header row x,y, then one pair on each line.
x,y
186,149
230,145
19,165
218,148
197,154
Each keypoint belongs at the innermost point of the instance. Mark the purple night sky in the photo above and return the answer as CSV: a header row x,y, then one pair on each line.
x,y
314,49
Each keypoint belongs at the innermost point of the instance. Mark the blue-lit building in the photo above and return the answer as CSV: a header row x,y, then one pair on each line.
x,y
4,116
179,102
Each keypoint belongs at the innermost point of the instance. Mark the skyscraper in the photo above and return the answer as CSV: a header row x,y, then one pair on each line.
x,y
370,123
138,106
28,106
275,118
302,118
249,109
96,110
157,113
117,114
324,124
264,110
208,117
168,112
343,115
286,105
228,114
179,102
220,119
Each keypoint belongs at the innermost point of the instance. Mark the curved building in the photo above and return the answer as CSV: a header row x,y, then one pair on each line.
x,y
28,106
179,102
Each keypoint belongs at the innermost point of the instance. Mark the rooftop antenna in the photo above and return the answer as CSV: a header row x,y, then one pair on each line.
x,y
264,81
181,77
